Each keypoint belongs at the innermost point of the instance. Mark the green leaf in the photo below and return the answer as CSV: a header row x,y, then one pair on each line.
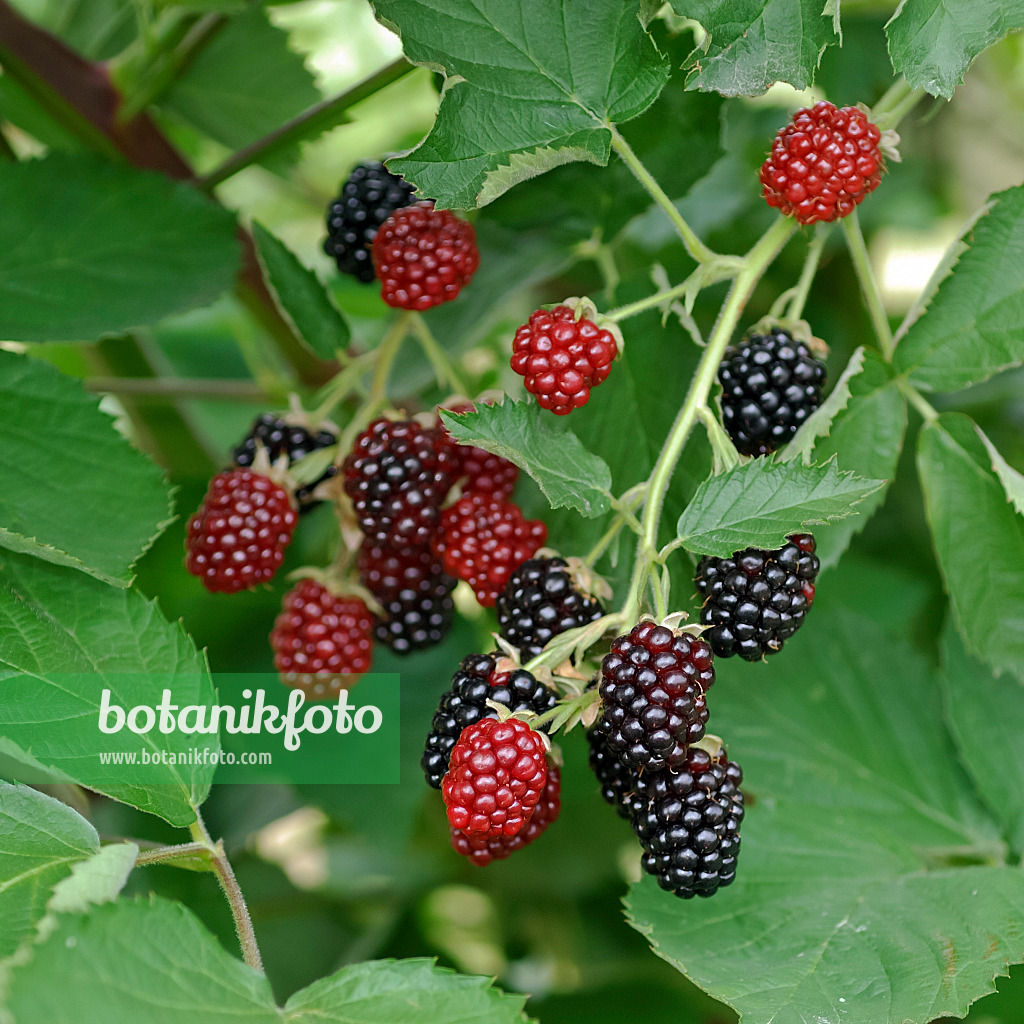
x,y
41,839
1012,481
64,637
88,248
244,83
531,85
97,29
300,296
932,42
759,503
97,880
974,326
847,905
59,447
979,540
985,714
867,438
754,43
153,961
569,475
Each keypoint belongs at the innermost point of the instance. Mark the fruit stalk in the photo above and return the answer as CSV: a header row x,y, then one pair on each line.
x,y
868,285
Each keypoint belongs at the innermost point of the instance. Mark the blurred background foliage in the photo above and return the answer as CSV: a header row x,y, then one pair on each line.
x,y
338,874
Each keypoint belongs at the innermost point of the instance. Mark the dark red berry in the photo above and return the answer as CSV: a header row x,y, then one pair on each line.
x,y
476,682
291,440
483,540
652,689
371,194
770,386
238,535
482,470
321,641
397,476
541,600
823,163
497,773
755,600
424,256
618,783
562,358
481,850
688,822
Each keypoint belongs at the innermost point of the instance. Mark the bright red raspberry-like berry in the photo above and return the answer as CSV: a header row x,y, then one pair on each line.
x,y
481,850
321,641
497,773
562,358
238,535
823,163
652,689
424,256
483,540
482,470
397,476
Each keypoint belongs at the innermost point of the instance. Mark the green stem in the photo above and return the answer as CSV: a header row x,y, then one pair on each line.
x,y
897,102
694,246
755,264
651,302
917,400
318,118
803,286
173,388
170,854
868,284
444,368
387,350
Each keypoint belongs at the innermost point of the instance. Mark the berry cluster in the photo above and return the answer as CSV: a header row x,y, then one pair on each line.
x,y
823,163
770,385
754,601
562,357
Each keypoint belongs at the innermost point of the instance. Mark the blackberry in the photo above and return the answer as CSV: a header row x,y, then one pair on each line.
x,y
397,475
476,682
618,783
280,437
414,592
652,689
371,194
770,385
541,600
754,601
688,822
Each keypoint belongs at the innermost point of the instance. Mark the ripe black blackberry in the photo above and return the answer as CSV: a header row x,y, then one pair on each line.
x,y
756,600
476,682
688,822
368,198
295,441
618,783
397,475
652,689
541,600
770,383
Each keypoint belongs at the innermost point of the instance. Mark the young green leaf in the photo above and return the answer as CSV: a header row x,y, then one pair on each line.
x,y
61,450
974,326
300,296
753,43
932,42
866,437
985,714
979,540
531,85
64,638
760,502
41,839
848,904
569,475
154,961
89,248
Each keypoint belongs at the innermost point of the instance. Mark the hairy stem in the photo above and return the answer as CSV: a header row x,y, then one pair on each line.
x,y
694,246
868,284
651,302
803,286
229,884
169,854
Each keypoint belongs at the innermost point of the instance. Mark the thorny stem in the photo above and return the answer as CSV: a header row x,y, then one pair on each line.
x,y
868,284
803,286
694,246
229,883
